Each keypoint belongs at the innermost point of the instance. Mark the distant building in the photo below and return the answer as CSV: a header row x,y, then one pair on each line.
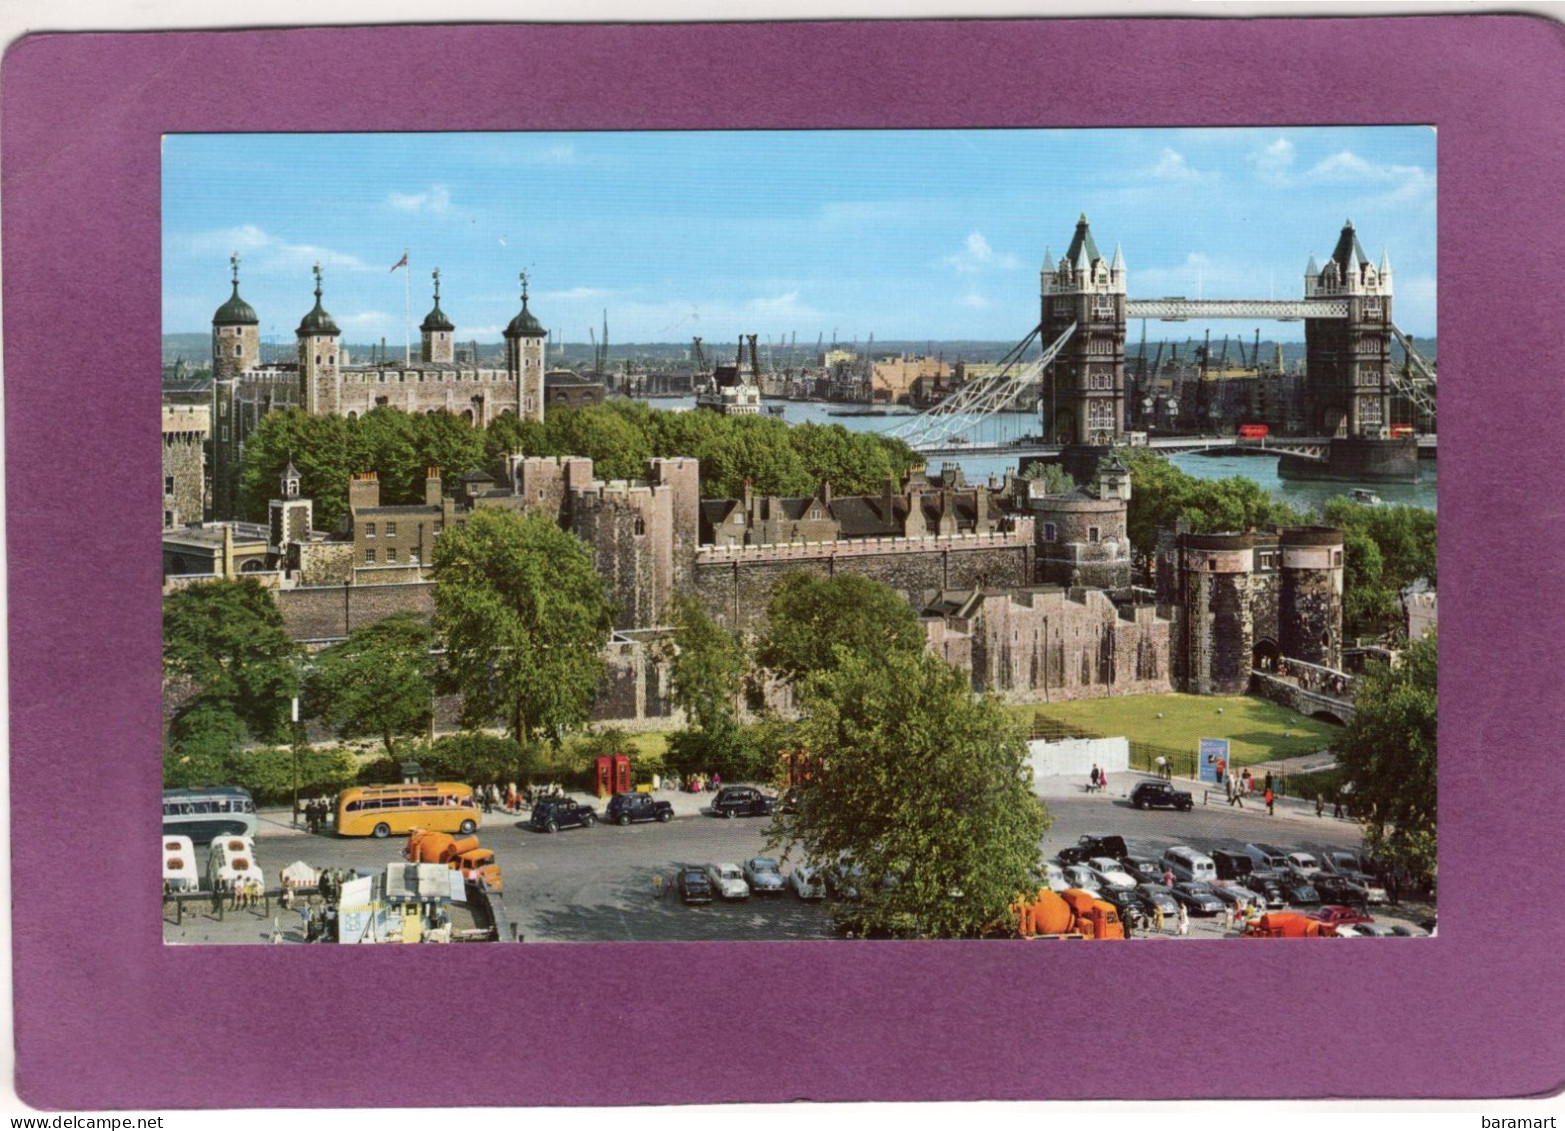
x,y
565,388
892,380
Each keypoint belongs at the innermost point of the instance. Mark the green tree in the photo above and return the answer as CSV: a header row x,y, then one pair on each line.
x,y
321,448
922,786
1385,549
618,449
227,639
202,742
812,622
707,665
524,618
1388,759
379,681
1055,479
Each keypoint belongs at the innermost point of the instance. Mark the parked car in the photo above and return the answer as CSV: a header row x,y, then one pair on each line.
x,y
1188,864
1109,873
1268,858
1128,904
1298,893
843,880
789,801
728,880
1142,869
1198,897
1240,898
1054,877
1160,795
807,883
1407,932
694,887
1336,889
552,814
1368,930
1269,888
1338,915
1080,876
1303,865
1233,866
1348,866
1158,896
623,808
742,801
763,875
1111,845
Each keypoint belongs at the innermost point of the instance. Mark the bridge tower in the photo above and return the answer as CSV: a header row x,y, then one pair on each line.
x,y
1084,389
1349,359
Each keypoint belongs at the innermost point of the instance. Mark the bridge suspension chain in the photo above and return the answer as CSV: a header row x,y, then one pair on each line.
x,y
984,397
1421,393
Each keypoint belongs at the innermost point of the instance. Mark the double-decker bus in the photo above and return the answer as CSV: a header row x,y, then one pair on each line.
x,y
380,810
1254,431
206,814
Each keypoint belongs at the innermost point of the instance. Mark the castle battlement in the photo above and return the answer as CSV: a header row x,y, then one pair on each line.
x,y
1020,536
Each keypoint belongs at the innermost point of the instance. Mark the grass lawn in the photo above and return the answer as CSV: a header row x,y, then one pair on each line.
x,y
1257,730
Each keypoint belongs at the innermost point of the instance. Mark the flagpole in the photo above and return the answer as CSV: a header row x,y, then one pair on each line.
x,y
407,310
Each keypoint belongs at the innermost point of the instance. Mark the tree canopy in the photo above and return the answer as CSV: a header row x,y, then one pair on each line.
x,y
1161,495
706,664
226,638
379,681
1388,757
923,788
1385,549
619,437
524,618
813,621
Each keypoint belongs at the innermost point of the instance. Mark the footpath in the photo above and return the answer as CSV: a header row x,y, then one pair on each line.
x,y
1203,793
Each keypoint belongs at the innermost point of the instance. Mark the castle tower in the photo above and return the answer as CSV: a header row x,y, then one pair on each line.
x,y
524,339
236,347
1348,360
319,341
1309,599
236,333
1084,389
437,331
289,516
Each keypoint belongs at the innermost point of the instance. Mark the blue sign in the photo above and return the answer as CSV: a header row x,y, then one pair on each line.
x,y
1214,757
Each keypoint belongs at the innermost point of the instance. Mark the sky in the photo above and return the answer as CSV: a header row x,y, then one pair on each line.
x,y
915,234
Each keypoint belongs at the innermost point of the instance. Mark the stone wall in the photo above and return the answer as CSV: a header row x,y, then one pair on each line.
x,y
1047,644
184,462
329,613
735,584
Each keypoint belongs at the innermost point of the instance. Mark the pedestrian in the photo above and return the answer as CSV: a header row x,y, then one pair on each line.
x,y
304,920
1228,916
1162,766
1103,781
1157,917
717,782
1268,779
1095,777
1320,805
1128,921
1270,799
1336,805
1182,924
1168,877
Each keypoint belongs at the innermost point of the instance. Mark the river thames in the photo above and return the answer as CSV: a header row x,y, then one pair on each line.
x,y
1011,425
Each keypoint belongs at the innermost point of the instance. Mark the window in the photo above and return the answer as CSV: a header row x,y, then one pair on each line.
x,y
1092,533
391,530
317,359
413,557
236,350
1049,533
641,525
225,432
369,557
168,484
369,530
391,553
1336,558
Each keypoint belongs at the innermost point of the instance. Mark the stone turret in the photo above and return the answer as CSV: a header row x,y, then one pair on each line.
x,y
436,331
319,343
524,342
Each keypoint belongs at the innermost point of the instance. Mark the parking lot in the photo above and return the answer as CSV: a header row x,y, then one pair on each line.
x,y
608,883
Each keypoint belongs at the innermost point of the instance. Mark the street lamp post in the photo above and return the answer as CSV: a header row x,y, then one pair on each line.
x,y
298,742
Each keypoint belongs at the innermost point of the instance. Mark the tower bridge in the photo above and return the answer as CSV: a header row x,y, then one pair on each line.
x,y
1349,385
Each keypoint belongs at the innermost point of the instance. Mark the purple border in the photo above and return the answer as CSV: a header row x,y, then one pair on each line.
x,y
108,1017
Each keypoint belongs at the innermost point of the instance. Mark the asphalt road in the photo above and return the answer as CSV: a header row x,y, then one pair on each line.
x,y
597,884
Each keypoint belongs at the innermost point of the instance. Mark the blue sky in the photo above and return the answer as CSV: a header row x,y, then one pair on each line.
x,y
903,234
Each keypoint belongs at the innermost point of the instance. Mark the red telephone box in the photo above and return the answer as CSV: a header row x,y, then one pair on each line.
x,y
612,774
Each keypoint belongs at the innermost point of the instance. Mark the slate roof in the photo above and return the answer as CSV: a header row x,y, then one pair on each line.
x,y
317,321
1082,238
524,325
436,320
1348,253
236,311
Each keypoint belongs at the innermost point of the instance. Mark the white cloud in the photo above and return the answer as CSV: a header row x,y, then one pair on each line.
x,y
1274,162
436,199
974,300
1398,183
264,253
573,293
560,155
780,306
1172,166
364,320
976,255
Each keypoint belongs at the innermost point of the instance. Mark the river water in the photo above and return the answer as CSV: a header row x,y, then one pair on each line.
x,y
1007,426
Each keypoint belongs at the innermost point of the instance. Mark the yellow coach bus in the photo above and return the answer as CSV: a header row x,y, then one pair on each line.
x,y
381,810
